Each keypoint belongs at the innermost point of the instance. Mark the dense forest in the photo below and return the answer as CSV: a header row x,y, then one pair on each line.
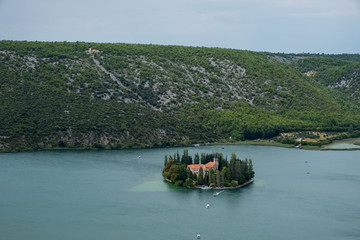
x,y
229,173
61,95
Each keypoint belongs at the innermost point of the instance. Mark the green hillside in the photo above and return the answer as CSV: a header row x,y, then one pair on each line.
x,y
58,95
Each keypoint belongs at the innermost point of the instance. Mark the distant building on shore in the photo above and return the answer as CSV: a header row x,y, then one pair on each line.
x,y
93,51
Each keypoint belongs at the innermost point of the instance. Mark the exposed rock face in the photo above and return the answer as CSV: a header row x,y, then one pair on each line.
x,y
121,95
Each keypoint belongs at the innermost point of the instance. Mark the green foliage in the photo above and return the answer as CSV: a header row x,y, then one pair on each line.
x,y
228,173
234,183
189,182
57,95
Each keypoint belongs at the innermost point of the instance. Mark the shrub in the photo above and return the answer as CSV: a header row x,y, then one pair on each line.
x,y
234,183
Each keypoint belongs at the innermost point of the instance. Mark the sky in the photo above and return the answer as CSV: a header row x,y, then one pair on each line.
x,y
289,26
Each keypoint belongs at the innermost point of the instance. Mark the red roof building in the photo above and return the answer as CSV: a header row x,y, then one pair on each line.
x,y
195,168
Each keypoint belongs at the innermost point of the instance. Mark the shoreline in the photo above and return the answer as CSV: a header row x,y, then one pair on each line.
x,y
217,188
260,142
227,188
268,143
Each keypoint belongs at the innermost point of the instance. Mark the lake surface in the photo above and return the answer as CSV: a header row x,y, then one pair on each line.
x,y
117,195
345,144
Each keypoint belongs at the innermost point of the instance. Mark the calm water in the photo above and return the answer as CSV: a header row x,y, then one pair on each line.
x,y
352,143
117,195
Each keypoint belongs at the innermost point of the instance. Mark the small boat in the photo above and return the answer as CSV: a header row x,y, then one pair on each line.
x,y
207,205
308,173
139,156
306,161
198,236
205,187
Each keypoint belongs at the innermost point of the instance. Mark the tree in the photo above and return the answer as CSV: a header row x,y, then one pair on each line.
x,y
189,182
182,172
168,166
218,178
197,159
200,177
232,173
185,158
189,174
206,178
177,156
222,179
251,170
174,173
166,160
225,173
239,171
203,157
234,183
211,177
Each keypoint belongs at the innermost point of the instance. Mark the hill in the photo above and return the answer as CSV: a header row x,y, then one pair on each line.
x,y
102,95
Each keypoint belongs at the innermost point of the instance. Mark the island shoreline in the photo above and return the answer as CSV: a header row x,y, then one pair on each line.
x,y
218,188
226,188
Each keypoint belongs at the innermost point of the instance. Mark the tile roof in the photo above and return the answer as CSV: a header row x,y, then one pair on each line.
x,y
195,166
204,166
209,164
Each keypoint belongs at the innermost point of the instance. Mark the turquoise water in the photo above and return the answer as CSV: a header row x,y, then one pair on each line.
x,y
117,195
352,143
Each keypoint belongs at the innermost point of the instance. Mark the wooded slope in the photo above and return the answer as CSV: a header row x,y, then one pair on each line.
x,y
128,95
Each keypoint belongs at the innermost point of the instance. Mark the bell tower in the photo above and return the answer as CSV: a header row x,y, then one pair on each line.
x,y
216,163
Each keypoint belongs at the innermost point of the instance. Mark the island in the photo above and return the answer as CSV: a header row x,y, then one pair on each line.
x,y
207,171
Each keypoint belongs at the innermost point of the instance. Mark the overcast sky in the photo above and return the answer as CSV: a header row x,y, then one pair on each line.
x,y
292,26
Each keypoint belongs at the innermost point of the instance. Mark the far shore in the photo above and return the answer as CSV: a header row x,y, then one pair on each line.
x,y
258,142
263,142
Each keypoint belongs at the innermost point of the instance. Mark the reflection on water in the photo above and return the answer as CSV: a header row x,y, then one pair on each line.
x,y
154,183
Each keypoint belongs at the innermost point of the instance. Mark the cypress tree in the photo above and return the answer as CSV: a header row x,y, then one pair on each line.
x,y
222,179
218,178
200,177
211,177
197,159
202,158
246,175
251,170
166,160
177,156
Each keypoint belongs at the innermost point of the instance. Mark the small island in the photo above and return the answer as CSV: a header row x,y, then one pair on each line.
x,y
207,171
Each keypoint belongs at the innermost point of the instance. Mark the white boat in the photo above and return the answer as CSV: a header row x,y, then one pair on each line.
x,y
198,236
205,187
207,205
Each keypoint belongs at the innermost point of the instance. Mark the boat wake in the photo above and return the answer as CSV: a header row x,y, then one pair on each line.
x,y
218,193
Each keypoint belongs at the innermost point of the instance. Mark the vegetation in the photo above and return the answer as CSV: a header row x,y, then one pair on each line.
x,y
60,95
233,173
